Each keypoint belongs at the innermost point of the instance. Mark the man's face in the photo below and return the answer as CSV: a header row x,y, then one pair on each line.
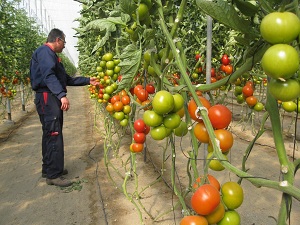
x,y
60,45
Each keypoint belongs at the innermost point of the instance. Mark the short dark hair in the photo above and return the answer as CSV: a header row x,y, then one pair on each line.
x,y
55,33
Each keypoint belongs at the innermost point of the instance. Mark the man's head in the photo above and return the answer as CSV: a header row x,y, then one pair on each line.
x,y
56,38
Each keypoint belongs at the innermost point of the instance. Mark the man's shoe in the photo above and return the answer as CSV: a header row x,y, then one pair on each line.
x,y
65,172
60,182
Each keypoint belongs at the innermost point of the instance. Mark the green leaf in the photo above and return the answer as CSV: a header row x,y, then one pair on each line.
x,y
127,6
226,14
246,7
130,64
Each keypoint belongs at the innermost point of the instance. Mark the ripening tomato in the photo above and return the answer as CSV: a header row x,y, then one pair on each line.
x,y
125,100
225,138
205,199
258,107
228,69
216,215
193,220
201,133
220,116
192,107
118,106
210,179
214,163
251,101
280,27
136,147
232,194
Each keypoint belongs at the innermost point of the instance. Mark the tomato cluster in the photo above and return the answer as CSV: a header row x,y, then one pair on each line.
x,y
246,94
142,94
119,107
165,115
215,204
220,117
139,137
108,73
281,61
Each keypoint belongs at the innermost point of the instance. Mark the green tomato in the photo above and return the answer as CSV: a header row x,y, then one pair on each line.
x,y
280,61
158,133
172,120
152,119
124,122
258,107
163,102
109,89
110,65
289,106
280,27
107,56
231,217
214,164
178,102
181,130
232,195
284,90
119,115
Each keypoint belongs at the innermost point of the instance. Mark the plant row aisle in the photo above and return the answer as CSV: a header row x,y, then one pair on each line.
x,y
20,36
170,72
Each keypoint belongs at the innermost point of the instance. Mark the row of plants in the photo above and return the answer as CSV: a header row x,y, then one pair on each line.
x,y
159,79
20,36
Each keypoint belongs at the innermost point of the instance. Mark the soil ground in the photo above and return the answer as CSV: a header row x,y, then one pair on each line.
x,y
97,198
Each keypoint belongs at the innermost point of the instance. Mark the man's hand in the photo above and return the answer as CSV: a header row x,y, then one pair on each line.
x,y
94,81
65,104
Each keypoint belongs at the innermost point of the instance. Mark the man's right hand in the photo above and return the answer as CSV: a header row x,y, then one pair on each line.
x,y
65,104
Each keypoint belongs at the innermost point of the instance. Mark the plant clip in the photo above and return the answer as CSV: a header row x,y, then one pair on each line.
x,y
197,111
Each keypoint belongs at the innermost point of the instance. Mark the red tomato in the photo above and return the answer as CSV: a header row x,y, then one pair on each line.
x,y
192,107
213,72
150,88
114,99
193,220
220,116
147,129
226,139
139,125
139,137
137,88
142,94
247,91
225,59
205,199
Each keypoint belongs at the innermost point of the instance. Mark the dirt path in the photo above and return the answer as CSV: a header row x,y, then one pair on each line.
x,y
25,198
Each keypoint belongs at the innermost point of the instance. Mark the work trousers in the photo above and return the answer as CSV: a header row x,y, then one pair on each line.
x,y
51,117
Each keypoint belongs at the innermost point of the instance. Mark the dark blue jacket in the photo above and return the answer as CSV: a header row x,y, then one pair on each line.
x,y
47,73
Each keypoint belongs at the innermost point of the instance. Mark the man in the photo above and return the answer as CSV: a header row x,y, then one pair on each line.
x,y
49,80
